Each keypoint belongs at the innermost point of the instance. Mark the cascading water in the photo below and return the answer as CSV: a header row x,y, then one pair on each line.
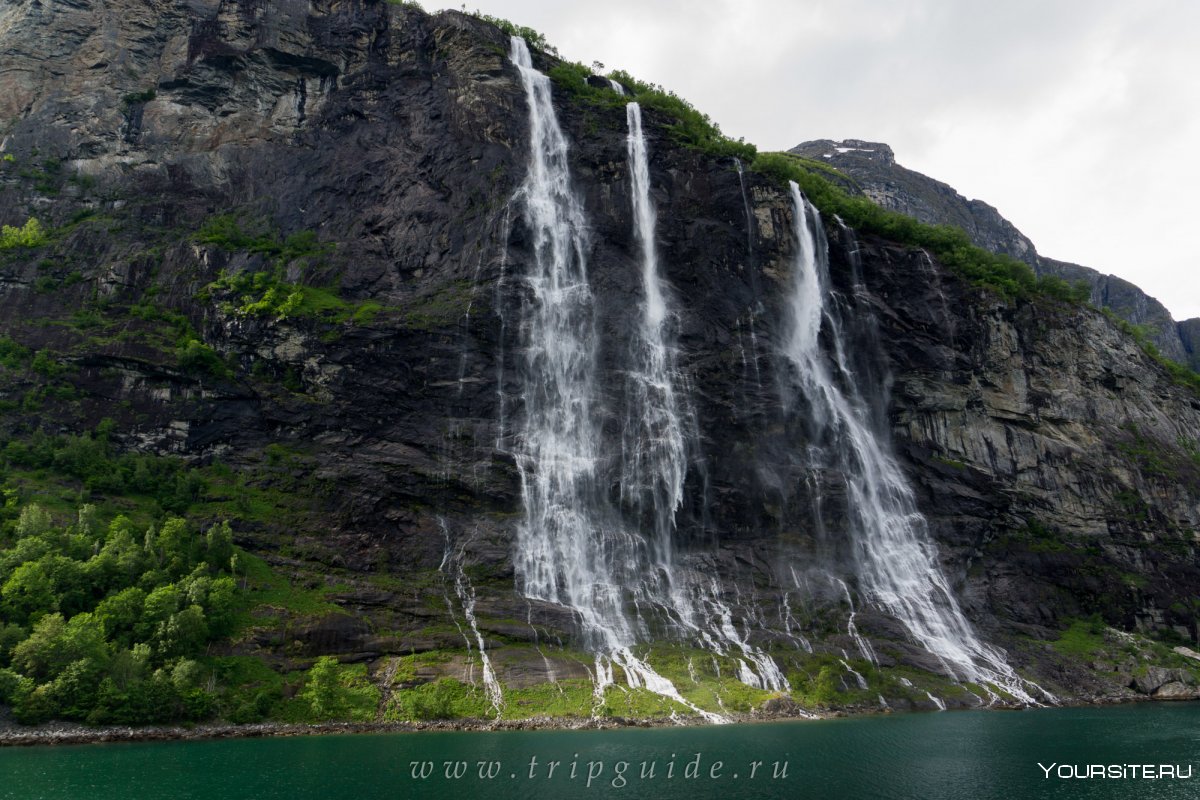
x,y
452,563
572,546
654,458
896,563
654,448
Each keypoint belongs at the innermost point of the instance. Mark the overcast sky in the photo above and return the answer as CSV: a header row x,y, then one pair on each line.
x,y
1078,119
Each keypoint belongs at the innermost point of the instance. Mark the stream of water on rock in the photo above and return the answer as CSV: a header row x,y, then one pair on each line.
x,y
577,546
894,554
573,548
610,556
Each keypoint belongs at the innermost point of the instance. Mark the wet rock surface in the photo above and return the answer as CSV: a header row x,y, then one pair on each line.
x,y
1055,460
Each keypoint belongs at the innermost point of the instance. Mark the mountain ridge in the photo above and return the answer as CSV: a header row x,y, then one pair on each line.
x,y
873,167
284,254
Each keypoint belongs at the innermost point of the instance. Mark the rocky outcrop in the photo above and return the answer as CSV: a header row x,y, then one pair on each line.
x,y
873,167
1055,460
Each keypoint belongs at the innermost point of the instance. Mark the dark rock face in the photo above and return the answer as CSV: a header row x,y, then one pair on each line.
x,y
1189,334
1054,460
873,167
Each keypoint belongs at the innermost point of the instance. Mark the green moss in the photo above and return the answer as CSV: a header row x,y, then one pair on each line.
x,y
264,294
13,355
566,698
442,309
197,358
950,462
136,98
621,701
444,698
1082,640
269,589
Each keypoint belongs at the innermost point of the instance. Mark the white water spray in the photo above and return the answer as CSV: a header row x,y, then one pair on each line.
x,y
654,450
895,559
572,545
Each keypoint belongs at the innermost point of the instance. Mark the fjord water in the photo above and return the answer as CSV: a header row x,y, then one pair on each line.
x,y
979,755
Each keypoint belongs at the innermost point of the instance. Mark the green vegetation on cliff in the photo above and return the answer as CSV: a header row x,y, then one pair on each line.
x,y
951,245
31,234
104,620
265,293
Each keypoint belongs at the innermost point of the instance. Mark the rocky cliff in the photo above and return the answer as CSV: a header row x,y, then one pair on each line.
x,y
873,168
283,247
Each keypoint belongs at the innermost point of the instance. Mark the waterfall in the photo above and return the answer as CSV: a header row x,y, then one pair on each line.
x,y
573,547
616,87
893,552
452,561
654,456
654,460
746,207
564,537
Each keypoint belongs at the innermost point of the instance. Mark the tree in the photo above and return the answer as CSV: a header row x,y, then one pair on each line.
x,y
34,521
222,605
55,643
175,546
11,635
160,604
218,546
120,613
182,633
323,688
29,591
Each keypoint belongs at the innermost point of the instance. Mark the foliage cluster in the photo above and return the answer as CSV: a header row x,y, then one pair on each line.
x,y
227,232
1141,334
265,293
136,98
1175,463
444,698
31,234
690,127
94,461
336,691
104,623
191,353
531,37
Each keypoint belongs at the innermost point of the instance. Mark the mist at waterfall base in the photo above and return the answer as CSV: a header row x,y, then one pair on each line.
x,y
604,464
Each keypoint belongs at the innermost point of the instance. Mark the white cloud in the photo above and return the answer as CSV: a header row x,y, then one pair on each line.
x,y
1078,119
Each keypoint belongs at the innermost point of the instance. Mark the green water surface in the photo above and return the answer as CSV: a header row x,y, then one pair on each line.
x,y
964,755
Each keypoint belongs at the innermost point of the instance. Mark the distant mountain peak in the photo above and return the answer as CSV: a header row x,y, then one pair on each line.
x,y
871,151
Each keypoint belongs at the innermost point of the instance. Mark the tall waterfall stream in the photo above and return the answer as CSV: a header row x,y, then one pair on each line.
x,y
611,556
